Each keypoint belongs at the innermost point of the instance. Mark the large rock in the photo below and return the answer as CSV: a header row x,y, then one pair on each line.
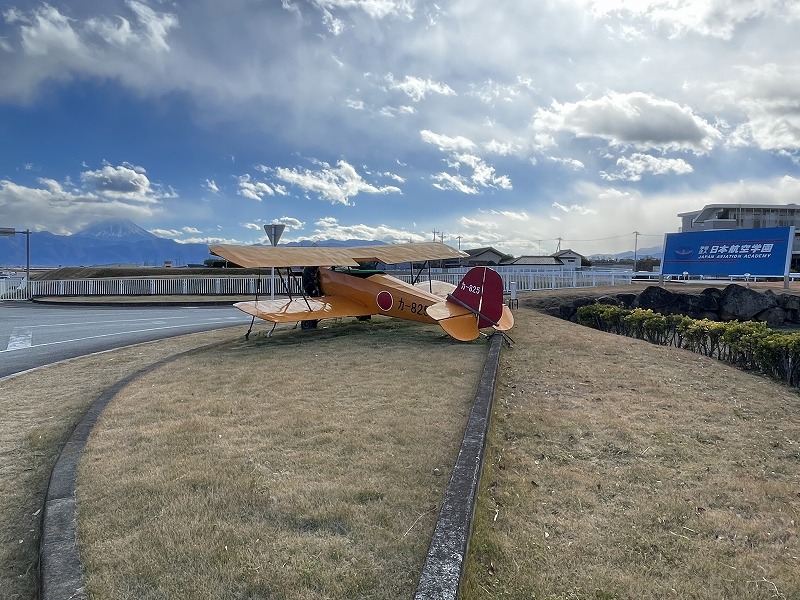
x,y
773,317
697,306
627,299
743,304
655,298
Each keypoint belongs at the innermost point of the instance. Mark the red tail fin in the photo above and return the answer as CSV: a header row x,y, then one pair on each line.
x,y
481,291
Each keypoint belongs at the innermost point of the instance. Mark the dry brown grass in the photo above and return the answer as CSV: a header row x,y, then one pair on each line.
x,y
307,465
40,409
618,469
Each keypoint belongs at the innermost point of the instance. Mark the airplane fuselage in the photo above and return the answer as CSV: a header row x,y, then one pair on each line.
x,y
383,294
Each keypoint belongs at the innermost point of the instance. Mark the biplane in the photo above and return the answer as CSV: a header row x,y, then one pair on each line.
x,y
340,282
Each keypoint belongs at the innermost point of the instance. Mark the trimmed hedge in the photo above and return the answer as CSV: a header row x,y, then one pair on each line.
x,y
748,345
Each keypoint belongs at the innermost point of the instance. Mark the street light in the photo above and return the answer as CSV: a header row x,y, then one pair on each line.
x,y
11,232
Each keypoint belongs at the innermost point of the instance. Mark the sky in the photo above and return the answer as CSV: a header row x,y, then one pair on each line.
x,y
528,126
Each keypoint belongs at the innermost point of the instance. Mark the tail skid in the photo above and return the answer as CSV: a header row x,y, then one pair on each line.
x,y
476,303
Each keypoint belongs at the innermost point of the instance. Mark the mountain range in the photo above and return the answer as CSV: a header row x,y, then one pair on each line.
x,y
122,242
119,242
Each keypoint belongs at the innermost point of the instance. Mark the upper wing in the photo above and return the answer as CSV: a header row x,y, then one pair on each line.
x,y
302,256
268,256
298,309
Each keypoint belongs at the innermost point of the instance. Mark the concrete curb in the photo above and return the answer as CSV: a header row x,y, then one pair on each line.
x,y
61,575
447,553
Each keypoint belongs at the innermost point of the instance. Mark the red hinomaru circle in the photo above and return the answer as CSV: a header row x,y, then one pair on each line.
x,y
385,300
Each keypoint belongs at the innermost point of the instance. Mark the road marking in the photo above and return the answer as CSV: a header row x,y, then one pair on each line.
x,y
106,335
20,338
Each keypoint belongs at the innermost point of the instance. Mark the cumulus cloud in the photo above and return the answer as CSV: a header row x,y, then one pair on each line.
x,y
634,167
337,184
122,191
635,119
124,182
459,155
49,45
714,18
330,228
253,190
768,95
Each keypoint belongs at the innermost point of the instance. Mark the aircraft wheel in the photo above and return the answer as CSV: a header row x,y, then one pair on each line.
x,y
308,324
364,318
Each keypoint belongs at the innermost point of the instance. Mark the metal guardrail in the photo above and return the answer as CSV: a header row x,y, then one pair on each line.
x,y
526,280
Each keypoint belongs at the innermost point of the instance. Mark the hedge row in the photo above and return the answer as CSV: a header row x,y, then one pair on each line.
x,y
748,345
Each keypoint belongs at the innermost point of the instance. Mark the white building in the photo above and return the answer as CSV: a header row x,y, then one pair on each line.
x,y
746,216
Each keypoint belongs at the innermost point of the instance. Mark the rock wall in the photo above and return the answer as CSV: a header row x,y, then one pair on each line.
x,y
733,303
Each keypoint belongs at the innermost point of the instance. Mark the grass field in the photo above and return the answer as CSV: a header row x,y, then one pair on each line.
x,y
306,465
39,410
615,469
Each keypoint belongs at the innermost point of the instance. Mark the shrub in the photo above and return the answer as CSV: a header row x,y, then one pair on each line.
x,y
747,345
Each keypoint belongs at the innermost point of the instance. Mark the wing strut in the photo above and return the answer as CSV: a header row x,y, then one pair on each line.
x,y
253,320
415,280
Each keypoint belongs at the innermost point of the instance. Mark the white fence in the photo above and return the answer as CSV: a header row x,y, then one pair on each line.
x,y
526,280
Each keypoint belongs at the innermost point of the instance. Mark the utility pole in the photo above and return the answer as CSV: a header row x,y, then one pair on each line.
x,y
636,235
434,235
10,231
458,237
558,247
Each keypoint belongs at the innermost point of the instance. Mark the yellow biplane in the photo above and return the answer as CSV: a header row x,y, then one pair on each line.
x,y
335,283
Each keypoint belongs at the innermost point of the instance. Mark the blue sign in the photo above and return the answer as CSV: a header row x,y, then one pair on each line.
x,y
763,252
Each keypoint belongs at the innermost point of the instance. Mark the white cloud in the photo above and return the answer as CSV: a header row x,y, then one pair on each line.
x,y
634,167
253,190
330,228
337,184
769,96
417,88
714,18
377,9
635,119
211,186
63,208
124,182
447,143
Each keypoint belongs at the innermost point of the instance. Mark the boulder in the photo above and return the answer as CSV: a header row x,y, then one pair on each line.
x,y
743,304
655,298
626,299
789,302
773,317
694,305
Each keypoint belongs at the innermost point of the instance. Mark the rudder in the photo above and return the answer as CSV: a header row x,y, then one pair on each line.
x,y
481,292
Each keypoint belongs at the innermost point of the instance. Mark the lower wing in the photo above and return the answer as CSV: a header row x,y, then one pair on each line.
x,y
299,309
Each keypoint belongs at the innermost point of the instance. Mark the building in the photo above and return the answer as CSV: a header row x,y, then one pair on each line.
x,y
746,216
564,259
740,216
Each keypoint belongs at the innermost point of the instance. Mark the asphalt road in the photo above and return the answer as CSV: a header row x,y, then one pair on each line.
x,y
33,335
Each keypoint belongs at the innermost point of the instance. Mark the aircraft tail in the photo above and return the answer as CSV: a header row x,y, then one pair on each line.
x,y
475,303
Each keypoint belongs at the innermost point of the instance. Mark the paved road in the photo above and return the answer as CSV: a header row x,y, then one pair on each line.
x,y
32,335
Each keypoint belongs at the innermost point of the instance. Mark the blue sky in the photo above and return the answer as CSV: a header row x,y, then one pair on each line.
x,y
504,123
